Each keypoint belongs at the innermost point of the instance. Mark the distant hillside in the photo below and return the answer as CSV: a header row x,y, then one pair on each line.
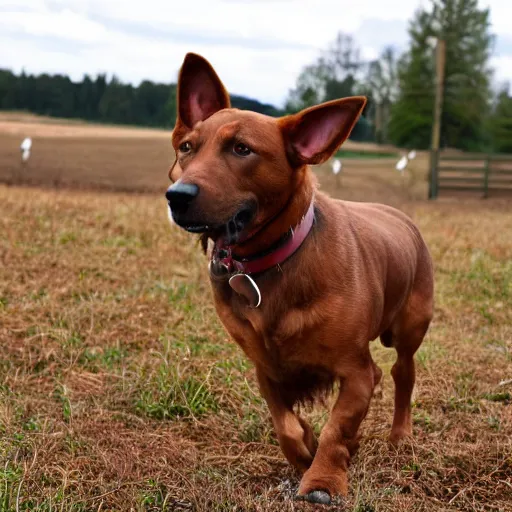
x,y
244,103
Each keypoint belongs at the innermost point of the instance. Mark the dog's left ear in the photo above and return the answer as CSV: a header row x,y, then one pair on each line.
x,y
200,91
314,134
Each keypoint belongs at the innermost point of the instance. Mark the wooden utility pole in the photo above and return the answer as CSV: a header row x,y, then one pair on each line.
x,y
378,122
438,109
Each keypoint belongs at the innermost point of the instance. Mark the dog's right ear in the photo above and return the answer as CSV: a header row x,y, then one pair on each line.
x,y
200,91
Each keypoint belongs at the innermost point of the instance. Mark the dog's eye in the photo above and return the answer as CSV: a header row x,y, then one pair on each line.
x,y
241,149
185,147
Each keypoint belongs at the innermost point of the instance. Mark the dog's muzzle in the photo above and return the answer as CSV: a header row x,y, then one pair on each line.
x,y
181,199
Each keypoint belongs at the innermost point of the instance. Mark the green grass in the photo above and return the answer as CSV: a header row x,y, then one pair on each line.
x,y
168,394
372,155
120,390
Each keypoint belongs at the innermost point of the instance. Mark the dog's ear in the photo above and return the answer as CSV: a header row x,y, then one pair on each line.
x,y
200,91
315,133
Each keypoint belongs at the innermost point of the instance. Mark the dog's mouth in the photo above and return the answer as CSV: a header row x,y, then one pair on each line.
x,y
195,228
232,232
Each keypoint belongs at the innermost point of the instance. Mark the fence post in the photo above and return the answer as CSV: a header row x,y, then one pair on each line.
x,y
486,175
433,181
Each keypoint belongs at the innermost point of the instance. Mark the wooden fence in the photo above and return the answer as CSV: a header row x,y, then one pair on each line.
x,y
484,175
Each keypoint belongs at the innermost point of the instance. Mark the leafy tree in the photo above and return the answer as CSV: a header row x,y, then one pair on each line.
x,y
331,77
500,125
343,61
310,88
334,75
465,29
382,82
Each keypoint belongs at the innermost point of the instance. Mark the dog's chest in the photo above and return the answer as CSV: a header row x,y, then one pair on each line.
x,y
292,359
281,339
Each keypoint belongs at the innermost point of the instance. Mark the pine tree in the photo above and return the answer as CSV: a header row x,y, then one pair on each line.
x,y
466,104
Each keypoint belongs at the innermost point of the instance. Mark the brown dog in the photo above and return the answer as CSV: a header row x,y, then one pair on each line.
x,y
302,282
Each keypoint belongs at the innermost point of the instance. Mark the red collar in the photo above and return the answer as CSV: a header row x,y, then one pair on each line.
x,y
277,256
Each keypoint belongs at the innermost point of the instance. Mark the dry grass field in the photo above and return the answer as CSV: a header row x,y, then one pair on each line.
x,y
79,155
119,389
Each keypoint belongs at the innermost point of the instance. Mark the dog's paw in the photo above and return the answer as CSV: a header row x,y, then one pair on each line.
x,y
399,437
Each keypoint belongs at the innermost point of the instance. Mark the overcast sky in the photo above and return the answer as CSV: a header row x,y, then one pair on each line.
x,y
257,46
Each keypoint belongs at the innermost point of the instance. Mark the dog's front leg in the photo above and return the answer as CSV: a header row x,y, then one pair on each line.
x,y
339,438
295,436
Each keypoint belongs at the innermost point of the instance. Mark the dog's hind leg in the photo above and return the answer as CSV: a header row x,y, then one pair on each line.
x,y
295,436
408,330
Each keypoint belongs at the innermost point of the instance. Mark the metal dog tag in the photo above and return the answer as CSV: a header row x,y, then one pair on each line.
x,y
218,269
244,285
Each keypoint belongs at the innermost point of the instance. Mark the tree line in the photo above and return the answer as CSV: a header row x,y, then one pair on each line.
x,y
100,99
110,101
401,88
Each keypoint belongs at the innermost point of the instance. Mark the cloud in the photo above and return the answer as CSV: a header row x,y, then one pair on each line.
x,y
501,14
503,69
65,24
258,46
377,33
503,45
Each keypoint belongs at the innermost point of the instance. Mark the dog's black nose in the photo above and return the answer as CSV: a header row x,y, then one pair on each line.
x,y
180,195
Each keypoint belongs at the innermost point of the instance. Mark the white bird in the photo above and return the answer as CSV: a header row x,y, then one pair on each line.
x,y
25,147
26,144
402,164
411,155
336,166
